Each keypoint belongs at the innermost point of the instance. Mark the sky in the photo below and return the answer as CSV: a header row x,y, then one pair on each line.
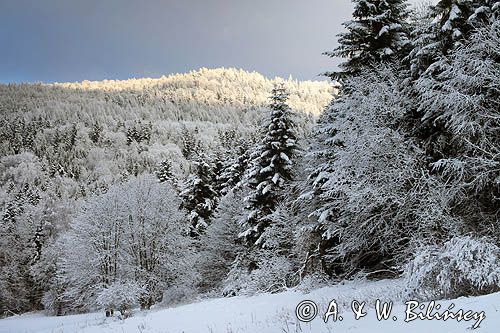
x,y
75,40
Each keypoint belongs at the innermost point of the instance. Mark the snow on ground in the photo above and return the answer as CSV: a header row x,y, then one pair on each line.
x,y
270,314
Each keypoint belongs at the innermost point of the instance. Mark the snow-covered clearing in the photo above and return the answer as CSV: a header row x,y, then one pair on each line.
x,y
269,314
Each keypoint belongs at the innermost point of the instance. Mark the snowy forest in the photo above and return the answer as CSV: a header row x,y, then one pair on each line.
x,y
120,196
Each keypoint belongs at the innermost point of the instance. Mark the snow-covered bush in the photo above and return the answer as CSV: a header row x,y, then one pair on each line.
x,y
272,274
258,271
120,295
178,294
463,266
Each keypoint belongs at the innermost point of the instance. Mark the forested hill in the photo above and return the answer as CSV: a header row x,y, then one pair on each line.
x,y
216,95
62,143
141,122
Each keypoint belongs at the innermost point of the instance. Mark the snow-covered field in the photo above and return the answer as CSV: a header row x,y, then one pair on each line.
x,y
270,314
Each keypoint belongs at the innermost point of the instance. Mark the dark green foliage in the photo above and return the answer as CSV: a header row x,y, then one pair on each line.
x,y
272,165
139,132
198,195
377,33
164,172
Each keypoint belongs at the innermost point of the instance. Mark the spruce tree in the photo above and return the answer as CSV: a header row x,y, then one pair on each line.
x,y
461,107
271,165
190,143
377,33
449,24
164,172
199,197
217,164
232,174
96,132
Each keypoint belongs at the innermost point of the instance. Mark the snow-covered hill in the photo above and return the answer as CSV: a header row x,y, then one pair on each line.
x,y
272,313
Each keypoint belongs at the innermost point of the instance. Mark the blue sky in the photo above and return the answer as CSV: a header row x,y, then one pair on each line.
x,y
71,40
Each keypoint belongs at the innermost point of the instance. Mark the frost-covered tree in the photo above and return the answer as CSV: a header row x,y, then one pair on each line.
x,y
190,143
96,233
220,244
16,283
96,132
25,226
371,194
164,172
377,33
234,170
272,165
134,232
444,27
198,195
462,102
217,162
155,236
139,132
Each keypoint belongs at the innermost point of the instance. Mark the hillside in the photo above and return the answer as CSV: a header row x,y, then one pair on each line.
x,y
220,200
61,143
205,105
270,314
216,95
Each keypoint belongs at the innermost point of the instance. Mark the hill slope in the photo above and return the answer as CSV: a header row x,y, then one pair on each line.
x,y
269,314
212,106
216,95
62,143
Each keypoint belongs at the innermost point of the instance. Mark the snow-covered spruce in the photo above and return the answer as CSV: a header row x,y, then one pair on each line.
x,y
377,33
459,128
271,166
445,27
370,191
199,196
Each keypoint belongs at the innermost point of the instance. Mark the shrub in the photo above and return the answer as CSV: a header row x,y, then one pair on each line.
x,y
463,266
121,296
262,271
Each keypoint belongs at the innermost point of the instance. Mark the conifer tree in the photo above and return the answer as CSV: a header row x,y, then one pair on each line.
x,y
377,33
217,165
190,143
164,172
271,165
232,174
449,24
462,105
199,197
96,132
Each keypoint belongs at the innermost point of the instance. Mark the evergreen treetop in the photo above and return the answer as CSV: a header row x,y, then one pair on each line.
x,y
377,33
